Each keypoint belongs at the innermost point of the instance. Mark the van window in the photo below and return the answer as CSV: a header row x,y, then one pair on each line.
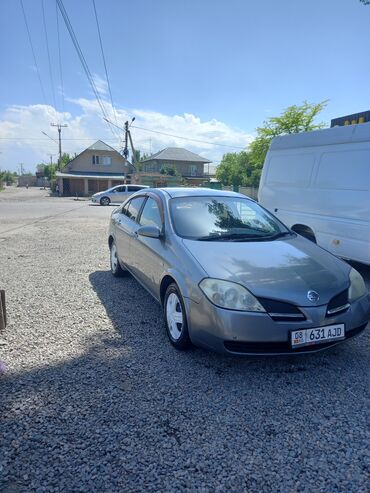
x,y
346,170
290,170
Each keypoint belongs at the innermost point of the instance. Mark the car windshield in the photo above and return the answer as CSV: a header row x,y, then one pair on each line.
x,y
223,219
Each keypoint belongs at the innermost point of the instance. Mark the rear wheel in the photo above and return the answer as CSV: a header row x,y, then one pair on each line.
x,y
115,266
105,201
175,318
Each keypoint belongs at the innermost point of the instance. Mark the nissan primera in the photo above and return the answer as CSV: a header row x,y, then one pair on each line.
x,y
231,277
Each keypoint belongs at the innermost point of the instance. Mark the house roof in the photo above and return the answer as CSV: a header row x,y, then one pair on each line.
x,y
177,154
100,146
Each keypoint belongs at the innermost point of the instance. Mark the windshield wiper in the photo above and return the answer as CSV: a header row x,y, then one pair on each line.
x,y
280,235
230,237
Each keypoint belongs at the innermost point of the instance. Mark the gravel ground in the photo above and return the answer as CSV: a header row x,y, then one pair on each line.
x,y
95,399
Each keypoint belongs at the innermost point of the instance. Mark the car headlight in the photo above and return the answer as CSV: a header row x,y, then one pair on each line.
x,y
230,295
357,287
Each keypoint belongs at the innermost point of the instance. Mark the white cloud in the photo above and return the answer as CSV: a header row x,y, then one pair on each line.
x,y
87,125
100,84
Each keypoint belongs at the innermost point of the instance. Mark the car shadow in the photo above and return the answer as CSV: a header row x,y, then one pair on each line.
x,y
129,398
138,319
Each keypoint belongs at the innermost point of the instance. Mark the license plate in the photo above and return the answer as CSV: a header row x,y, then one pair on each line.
x,y
319,335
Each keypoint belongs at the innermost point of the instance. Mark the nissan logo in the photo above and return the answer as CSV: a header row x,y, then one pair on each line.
x,y
313,296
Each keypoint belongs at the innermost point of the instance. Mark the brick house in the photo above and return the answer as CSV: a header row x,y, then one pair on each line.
x,y
96,168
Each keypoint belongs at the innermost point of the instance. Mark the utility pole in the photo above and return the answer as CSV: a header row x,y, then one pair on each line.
x,y
59,126
129,138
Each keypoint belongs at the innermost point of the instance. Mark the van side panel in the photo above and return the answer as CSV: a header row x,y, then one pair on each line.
x,y
329,191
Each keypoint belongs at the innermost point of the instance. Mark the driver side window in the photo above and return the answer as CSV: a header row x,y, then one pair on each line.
x,y
151,215
132,208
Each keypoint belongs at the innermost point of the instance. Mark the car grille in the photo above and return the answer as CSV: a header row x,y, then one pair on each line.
x,y
281,311
282,347
338,304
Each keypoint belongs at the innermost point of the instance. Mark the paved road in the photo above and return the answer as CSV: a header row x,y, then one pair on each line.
x,y
95,398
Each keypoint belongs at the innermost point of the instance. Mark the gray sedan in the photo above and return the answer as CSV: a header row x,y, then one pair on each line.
x,y
231,277
116,195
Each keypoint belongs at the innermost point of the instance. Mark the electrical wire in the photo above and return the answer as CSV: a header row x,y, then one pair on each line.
x,y
48,52
60,57
104,62
40,139
83,62
178,136
187,138
34,56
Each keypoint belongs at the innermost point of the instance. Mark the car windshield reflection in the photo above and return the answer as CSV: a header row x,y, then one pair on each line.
x,y
224,219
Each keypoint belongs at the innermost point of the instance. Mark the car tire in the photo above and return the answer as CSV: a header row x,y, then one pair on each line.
x,y
175,318
105,201
115,266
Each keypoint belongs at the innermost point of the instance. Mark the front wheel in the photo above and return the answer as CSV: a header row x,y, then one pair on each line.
x,y
175,318
105,201
115,266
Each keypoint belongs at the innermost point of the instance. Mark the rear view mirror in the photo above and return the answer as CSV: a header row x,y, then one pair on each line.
x,y
149,231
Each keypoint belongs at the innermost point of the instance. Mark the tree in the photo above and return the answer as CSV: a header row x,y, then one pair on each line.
x,y
234,169
66,158
8,176
294,119
168,170
48,170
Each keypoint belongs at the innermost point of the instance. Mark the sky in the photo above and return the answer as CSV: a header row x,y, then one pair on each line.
x,y
206,70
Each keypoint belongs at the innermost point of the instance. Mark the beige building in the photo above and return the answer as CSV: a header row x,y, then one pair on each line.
x,y
188,165
95,169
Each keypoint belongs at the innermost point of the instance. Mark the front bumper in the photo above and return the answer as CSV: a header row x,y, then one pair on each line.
x,y
232,332
94,199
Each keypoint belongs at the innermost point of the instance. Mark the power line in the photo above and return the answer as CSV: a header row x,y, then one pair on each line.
x,y
41,139
60,56
179,136
34,55
48,52
104,62
187,138
83,61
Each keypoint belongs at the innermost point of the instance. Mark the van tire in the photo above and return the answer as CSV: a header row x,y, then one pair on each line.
x,y
304,231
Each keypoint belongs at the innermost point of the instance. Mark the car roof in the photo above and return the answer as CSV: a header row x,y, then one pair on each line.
x,y
175,192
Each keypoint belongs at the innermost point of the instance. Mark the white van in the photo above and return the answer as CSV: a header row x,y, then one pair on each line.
x,y
318,183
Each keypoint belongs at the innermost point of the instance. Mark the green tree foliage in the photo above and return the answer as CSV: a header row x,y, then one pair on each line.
x,y
234,169
8,176
66,158
244,168
48,170
294,119
168,170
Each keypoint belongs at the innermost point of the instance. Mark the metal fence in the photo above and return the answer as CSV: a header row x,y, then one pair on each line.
x,y
249,191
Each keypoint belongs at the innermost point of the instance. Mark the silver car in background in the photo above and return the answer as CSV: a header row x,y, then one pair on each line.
x,y
116,195
231,277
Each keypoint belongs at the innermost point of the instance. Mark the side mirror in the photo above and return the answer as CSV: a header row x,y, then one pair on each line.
x,y
149,231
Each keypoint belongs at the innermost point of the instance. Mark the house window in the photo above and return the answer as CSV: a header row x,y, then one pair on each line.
x,y
193,170
102,160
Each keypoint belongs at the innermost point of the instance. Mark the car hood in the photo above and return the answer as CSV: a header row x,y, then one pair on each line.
x,y
284,269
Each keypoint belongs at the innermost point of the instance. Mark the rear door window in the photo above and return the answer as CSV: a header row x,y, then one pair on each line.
x,y
151,215
134,188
